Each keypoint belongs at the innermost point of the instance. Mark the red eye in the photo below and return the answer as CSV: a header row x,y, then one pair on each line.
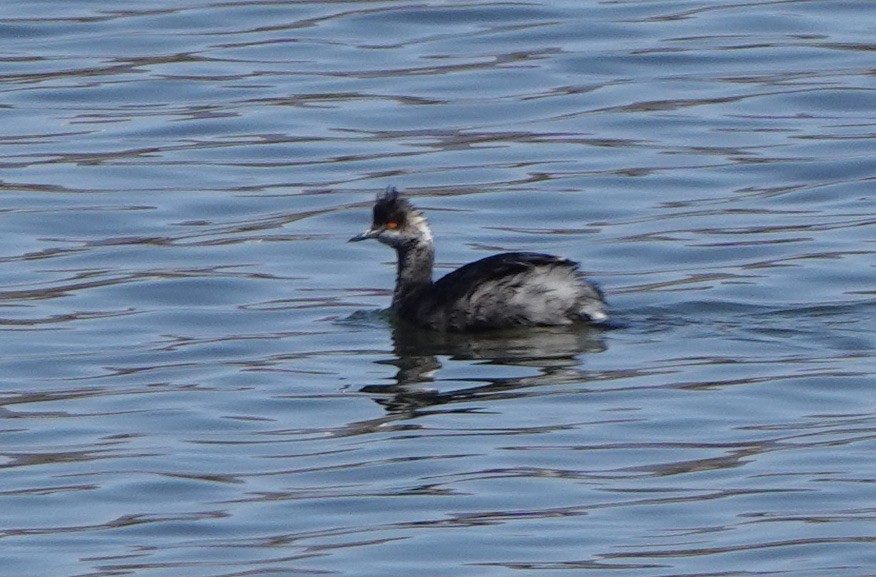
x,y
392,225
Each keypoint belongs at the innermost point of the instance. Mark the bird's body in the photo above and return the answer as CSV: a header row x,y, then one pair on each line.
x,y
506,290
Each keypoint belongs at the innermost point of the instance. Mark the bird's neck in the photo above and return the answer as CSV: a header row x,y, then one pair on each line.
x,y
415,260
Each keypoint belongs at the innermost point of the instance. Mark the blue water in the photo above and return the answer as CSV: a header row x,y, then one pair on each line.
x,y
196,375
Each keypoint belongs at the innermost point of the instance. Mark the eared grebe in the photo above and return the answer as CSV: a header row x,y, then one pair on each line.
x,y
511,289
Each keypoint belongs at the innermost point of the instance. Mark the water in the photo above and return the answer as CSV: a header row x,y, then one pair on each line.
x,y
196,375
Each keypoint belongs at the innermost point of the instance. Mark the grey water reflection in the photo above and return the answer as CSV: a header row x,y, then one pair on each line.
x,y
552,351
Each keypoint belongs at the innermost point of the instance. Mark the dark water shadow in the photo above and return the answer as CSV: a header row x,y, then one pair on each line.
x,y
553,351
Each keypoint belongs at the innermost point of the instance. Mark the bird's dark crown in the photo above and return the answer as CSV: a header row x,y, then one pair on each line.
x,y
391,210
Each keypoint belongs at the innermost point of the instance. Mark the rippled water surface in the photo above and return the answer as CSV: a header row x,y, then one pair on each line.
x,y
196,377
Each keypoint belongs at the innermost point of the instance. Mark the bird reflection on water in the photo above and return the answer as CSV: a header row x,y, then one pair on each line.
x,y
552,351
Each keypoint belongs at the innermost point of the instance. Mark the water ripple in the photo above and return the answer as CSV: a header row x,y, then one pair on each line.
x,y
200,376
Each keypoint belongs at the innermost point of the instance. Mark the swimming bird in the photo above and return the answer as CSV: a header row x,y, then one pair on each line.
x,y
512,289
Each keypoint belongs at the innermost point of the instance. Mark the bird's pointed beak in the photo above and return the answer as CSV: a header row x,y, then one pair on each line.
x,y
370,233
